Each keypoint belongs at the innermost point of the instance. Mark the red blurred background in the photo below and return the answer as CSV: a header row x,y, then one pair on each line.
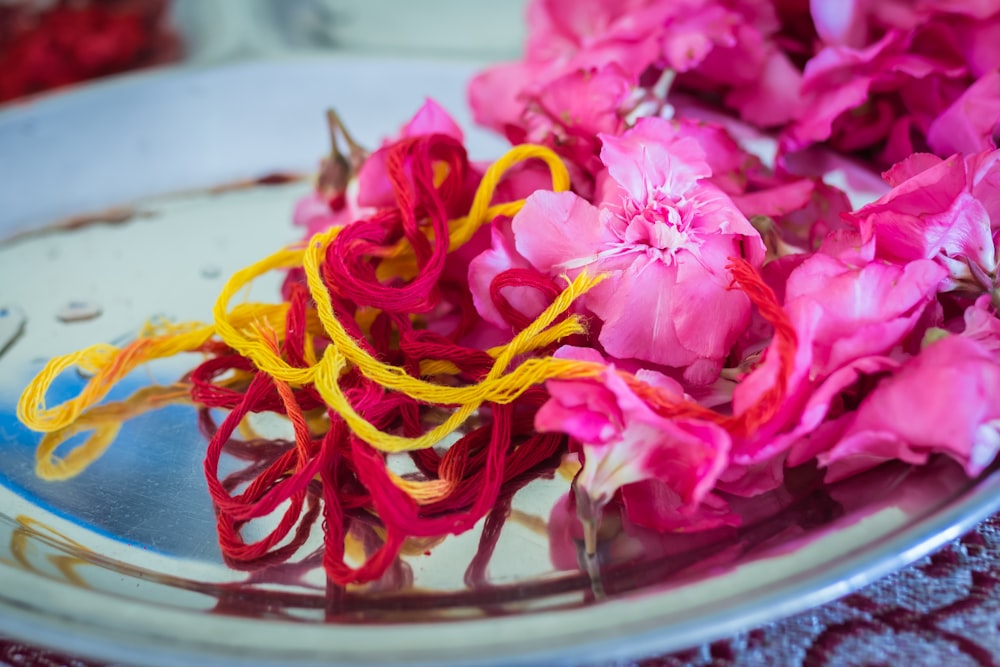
x,y
46,45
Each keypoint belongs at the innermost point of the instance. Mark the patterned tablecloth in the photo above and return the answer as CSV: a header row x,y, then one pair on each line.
x,y
942,610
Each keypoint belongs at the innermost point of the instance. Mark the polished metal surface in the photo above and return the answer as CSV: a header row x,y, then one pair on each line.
x,y
121,563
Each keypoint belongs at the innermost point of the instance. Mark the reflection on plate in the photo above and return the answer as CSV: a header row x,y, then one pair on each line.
x,y
121,562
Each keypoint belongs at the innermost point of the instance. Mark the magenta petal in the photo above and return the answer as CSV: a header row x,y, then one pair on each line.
x,y
983,326
818,405
909,168
836,80
840,22
869,311
374,188
588,101
970,123
653,504
577,353
773,98
431,118
942,400
578,420
494,94
692,466
688,456
623,440
777,201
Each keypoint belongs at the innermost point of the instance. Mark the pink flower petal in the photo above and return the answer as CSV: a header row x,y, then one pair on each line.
x,y
942,400
970,124
637,320
554,228
840,22
652,155
707,315
501,256
909,168
431,118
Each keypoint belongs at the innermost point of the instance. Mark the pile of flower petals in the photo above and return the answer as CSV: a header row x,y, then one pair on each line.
x,y
893,304
891,309
879,79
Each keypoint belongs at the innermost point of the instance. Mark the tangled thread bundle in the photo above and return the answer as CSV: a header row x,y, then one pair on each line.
x,y
347,359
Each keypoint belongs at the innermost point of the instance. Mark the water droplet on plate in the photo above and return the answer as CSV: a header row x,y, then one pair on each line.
x,y
210,271
78,311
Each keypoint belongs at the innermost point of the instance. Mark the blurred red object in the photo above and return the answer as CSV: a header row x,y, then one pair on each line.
x,y
48,45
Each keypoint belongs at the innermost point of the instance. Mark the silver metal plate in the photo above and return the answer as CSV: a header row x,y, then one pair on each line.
x,y
121,563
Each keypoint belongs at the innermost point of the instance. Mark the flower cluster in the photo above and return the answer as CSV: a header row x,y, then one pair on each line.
x,y
880,79
892,309
893,303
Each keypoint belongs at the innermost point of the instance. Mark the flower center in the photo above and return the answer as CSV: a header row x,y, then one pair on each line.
x,y
660,228
662,224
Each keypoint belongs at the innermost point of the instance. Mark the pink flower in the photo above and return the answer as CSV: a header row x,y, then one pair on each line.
x,y
501,257
497,95
569,41
694,31
316,214
982,325
565,114
941,401
374,187
855,311
570,112
891,78
664,242
854,22
370,188
745,66
593,32
837,89
971,123
566,38
635,34
623,441
792,213
841,23
848,311
945,210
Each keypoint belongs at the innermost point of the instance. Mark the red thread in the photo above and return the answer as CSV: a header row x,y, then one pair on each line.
x,y
335,474
520,278
784,344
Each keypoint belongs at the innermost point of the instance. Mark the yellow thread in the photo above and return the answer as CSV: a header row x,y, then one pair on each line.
x,y
424,492
108,364
254,329
105,421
